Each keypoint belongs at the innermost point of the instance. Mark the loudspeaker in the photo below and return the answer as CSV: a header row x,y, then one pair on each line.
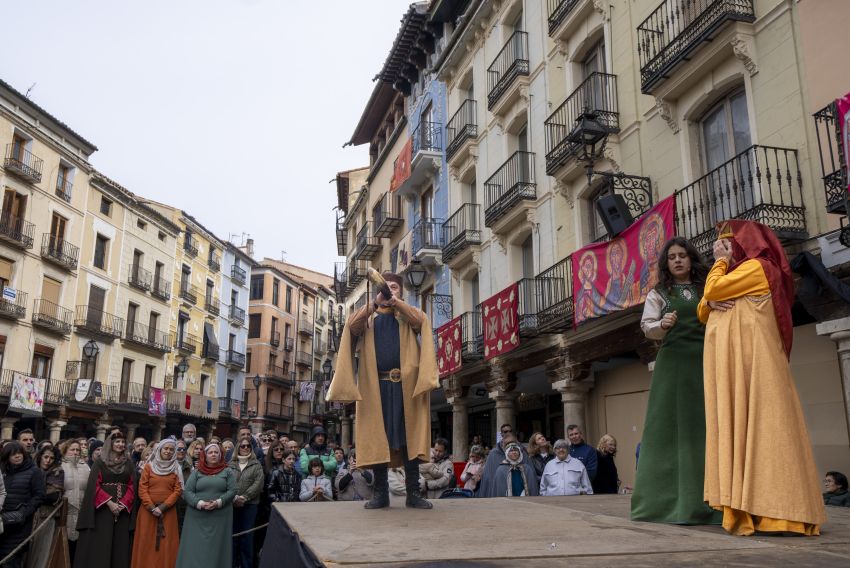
x,y
614,212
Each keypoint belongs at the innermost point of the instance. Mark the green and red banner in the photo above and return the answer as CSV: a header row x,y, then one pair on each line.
x,y
501,322
449,342
615,275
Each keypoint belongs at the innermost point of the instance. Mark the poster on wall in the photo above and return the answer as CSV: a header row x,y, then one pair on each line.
x,y
156,402
842,119
27,396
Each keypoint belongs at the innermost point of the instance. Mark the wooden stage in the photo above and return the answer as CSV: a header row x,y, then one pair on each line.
x,y
527,532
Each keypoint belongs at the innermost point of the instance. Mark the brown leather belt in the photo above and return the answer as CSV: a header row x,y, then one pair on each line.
x,y
393,375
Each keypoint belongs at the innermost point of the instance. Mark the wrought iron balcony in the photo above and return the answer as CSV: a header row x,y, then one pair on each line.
x,y
320,346
97,323
161,288
139,278
356,272
13,303
237,315
512,183
145,336
277,410
212,304
439,308
23,163
235,359
512,62
461,230
341,234
210,351
427,137
528,305
340,279
832,161
426,237
597,94
59,251
281,375
225,405
367,247
52,317
555,299
189,293
190,245
558,12
63,188
187,343
388,215
635,190
238,274
136,395
304,359
288,343
275,338
14,230
214,262
677,28
462,126
472,333
762,183
305,326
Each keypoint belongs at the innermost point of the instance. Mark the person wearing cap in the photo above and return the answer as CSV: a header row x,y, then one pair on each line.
x,y
565,475
396,373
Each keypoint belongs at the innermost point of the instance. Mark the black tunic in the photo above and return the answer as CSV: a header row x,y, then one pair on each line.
x,y
388,356
104,542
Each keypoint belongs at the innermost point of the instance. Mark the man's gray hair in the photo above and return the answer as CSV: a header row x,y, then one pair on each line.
x,y
561,443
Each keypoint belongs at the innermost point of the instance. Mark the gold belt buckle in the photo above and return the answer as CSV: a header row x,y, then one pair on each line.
x,y
393,375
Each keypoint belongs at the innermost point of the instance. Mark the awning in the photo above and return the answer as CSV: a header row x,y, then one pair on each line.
x,y
209,333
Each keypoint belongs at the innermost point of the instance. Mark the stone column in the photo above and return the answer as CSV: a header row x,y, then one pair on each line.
x,y
345,438
460,428
131,433
55,427
574,399
102,429
505,408
500,386
158,425
838,330
7,428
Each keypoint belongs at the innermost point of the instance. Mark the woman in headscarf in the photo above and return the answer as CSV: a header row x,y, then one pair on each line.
x,y
161,483
95,449
515,477
42,543
207,538
750,396
76,478
24,485
104,521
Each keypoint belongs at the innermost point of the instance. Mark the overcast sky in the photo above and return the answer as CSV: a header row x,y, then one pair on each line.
x,y
234,110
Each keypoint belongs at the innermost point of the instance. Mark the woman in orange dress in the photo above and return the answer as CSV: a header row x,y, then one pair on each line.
x,y
160,486
759,466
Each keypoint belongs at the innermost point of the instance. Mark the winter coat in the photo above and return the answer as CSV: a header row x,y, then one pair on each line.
x,y
76,478
586,454
840,498
470,470
436,477
354,485
538,462
249,481
568,477
315,451
284,486
24,492
309,483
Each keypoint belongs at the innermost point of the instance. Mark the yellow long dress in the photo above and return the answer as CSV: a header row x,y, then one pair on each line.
x,y
759,466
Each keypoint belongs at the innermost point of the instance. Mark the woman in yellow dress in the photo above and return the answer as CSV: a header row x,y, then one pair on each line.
x,y
759,466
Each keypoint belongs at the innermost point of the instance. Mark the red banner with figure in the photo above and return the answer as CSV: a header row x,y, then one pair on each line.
x,y
401,166
615,275
449,341
842,120
499,315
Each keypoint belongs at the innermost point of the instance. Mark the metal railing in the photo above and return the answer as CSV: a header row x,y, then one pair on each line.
x,y
472,334
275,338
187,343
528,305
147,336
214,262
63,188
462,126
190,245
832,161
597,94
426,235
512,62
340,279
427,137
210,351
235,359
52,316
555,300
303,358
212,304
762,183
22,162
288,343
133,394
387,215
139,278
636,191
281,374
15,305
225,404
237,314
161,288
320,346
512,183
677,28
367,247
238,274
16,230
558,11
95,321
189,292
461,230
278,410
341,234
59,251
356,272
305,326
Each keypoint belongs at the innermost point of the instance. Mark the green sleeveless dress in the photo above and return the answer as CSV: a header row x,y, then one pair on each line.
x,y
671,468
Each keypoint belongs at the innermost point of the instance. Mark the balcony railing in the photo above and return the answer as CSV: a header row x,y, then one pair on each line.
x,y
13,303
512,62
238,274
461,230
161,288
186,343
23,163
306,327
427,137
341,234
426,235
340,279
439,309
96,322
132,394
462,126
146,336
280,374
16,231
762,183
225,405
50,316
63,188
320,346
189,293
190,245
214,262
212,304
367,247
388,216
677,28
356,272
277,410
636,191
528,305
139,278
472,335
303,358
210,351
235,359
512,183
597,94
832,161
558,11
237,315
288,343
59,251
555,302
275,338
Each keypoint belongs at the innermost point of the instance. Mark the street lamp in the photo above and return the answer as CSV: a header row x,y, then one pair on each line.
x,y
182,367
589,137
256,382
90,350
416,276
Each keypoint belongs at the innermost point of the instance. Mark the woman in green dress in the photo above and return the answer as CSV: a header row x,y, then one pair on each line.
x,y
207,537
669,484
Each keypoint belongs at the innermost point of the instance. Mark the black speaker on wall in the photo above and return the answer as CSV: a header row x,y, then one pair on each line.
x,y
614,212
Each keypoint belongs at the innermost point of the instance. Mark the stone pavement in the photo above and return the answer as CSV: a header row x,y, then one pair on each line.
x,y
532,532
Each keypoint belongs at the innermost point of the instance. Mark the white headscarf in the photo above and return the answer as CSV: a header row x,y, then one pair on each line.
x,y
160,466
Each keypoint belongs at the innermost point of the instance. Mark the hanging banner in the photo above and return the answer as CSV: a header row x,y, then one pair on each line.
x,y
236,410
27,396
401,166
449,341
618,274
501,322
306,391
405,252
156,402
842,120
81,393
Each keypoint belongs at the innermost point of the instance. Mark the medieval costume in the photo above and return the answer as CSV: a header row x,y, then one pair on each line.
x,y
395,377
515,477
160,485
105,537
207,537
753,412
487,486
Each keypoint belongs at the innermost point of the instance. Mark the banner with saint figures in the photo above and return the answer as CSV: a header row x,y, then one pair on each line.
x,y
615,275
449,341
27,396
499,316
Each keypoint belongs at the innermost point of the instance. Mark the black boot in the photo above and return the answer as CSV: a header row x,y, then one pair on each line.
x,y
411,481
381,496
